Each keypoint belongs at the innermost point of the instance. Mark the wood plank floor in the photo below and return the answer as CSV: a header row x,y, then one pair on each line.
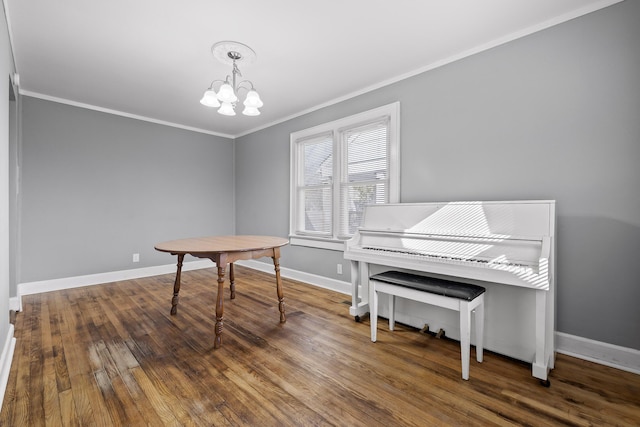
x,y
111,355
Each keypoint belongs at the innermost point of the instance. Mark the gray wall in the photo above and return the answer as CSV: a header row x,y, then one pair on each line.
x,y
555,115
97,188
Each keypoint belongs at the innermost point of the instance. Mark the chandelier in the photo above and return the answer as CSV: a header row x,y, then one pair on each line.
x,y
226,97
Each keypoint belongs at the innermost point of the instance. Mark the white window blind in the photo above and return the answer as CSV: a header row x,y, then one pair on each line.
x,y
366,180
315,192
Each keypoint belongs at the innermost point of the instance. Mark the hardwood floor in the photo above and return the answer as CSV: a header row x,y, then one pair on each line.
x,y
111,355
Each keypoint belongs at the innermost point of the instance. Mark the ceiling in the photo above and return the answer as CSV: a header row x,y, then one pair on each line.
x,y
152,59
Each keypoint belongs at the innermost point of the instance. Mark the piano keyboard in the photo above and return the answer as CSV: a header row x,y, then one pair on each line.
x,y
448,257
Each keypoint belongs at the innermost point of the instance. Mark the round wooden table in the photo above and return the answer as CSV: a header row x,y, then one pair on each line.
x,y
225,250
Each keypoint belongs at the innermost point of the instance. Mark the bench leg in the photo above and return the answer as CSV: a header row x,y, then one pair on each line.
x,y
465,337
373,310
392,312
479,329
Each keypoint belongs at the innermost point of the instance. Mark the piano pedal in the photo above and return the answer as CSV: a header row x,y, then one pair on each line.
x,y
425,329
440,333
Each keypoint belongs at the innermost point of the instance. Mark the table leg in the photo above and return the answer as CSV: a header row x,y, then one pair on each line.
x,y
232,279
276,264
176,286
219,306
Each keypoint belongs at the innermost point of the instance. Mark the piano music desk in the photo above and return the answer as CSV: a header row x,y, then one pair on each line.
x,y
461,297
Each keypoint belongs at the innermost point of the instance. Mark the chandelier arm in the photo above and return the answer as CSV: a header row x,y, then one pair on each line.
x,y
214,82
240,85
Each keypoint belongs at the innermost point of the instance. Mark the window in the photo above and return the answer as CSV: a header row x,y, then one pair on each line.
x,y
337,169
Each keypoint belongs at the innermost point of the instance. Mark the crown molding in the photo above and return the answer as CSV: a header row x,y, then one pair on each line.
x,y
119,113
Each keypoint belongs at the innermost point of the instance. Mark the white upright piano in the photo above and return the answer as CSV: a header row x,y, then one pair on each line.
x,y
507,246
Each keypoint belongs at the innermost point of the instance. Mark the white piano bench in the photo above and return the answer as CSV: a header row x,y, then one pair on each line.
x,y
457,296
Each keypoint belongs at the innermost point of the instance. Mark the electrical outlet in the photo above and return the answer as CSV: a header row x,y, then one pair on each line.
x,y
136,257
339,268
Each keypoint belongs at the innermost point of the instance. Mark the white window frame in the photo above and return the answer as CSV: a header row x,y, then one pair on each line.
x,y
336,128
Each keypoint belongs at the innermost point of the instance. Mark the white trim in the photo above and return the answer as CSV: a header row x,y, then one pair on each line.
x,y
15,304
5,361
626,359
10,34
336,129
623,358
461,55
437,64
119,113
100,278
311,242
308,278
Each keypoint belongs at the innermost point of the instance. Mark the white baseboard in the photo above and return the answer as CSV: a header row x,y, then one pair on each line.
x,y
15,304
5,361
623,358
626,359
312,279
100,278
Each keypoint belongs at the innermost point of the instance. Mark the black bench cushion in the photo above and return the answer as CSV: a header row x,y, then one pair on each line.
x,y
432,285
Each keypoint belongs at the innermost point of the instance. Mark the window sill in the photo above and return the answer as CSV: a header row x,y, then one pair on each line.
x,y
315,242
